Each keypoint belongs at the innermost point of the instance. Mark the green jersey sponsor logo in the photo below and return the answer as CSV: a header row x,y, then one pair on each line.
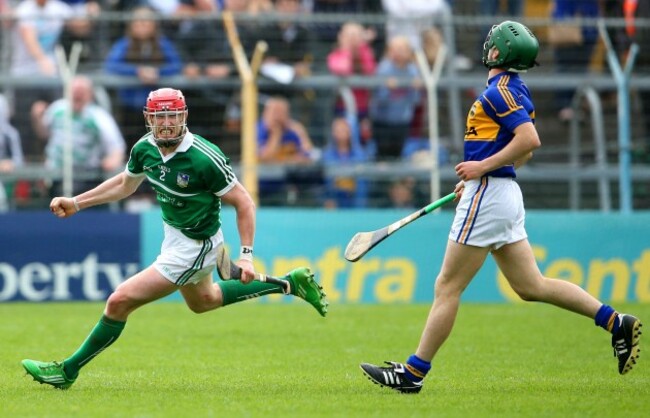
x,y
171,200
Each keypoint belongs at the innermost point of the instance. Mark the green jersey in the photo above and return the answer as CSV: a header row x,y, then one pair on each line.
x,y
95,135
188,182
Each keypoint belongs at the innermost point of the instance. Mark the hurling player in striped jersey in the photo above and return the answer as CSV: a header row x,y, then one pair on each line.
x,y
500,136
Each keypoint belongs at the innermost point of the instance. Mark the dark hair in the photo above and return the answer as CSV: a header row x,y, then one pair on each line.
x,y
146,51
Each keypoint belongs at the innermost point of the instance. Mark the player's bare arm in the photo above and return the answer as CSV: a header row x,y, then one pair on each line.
x,y
523,160
527,129
523,143
115,188
239,198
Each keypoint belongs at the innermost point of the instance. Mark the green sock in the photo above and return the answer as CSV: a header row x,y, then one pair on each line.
x,y
235,291
104,334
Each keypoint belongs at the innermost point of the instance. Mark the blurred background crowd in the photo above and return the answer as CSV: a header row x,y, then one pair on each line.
x,y
343,110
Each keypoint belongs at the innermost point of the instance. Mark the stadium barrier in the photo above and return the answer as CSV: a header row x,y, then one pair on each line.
x,y
87,256
551,171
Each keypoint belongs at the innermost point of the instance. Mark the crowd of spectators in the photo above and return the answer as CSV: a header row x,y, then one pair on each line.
x,y
150,39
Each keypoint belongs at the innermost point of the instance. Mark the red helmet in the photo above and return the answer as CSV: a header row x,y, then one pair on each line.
x,y
166,108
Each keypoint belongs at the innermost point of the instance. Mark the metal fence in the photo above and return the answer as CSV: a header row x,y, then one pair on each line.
x,y
576,168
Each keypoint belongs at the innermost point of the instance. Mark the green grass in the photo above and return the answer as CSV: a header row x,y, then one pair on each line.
x,y
261,360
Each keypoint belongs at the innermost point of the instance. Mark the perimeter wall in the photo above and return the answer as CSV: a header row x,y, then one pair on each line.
x,y
43,258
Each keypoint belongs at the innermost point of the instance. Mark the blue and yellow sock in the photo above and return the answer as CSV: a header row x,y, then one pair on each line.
x,y
606,317
416,368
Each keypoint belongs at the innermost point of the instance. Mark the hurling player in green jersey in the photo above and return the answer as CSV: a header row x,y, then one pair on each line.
x,y
191,177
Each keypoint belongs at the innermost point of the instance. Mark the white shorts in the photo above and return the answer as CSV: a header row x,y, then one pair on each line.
x,y
490,213
184,260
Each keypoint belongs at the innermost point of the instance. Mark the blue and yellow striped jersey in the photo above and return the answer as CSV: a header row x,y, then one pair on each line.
x,y
504,105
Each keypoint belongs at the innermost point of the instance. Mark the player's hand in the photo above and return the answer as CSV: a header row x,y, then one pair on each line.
x,y
247,271
469,170
459,189
63,207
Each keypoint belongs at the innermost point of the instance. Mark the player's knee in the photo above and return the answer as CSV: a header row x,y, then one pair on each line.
x,y
447,287
118,303
204,304
198,308
528,294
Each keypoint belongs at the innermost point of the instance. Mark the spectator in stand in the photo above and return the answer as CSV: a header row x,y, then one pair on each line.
x,y
344,148
39,24
402,194
84,29
411,18
11,151
208,53
144,52
283,140
574,58
114,29
392,107
97,144
353,56
328,32
202,43
288,41
289,57
205,52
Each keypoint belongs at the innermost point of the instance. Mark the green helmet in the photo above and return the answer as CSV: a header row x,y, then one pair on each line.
x,y
517,46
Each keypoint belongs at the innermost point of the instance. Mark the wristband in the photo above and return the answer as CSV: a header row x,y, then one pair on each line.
x,y
76,204
246,253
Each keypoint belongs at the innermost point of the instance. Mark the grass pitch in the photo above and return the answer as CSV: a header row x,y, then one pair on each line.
x,y
283,360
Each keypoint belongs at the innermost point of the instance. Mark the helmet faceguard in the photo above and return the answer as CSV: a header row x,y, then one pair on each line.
x,y
165,116
517,46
